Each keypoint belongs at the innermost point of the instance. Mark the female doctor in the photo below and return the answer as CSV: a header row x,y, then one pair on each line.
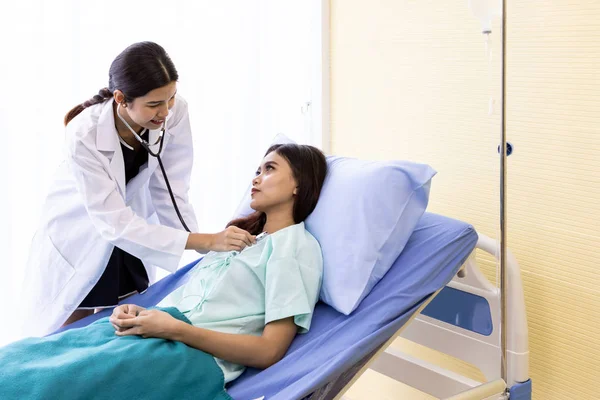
x,y
113,214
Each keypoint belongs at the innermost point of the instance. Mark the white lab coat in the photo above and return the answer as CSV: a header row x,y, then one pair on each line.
x,y
89,210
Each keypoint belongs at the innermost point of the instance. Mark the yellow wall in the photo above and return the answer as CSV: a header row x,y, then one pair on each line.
x,y
410,79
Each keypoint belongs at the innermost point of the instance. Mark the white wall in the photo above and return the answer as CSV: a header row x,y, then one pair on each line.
x,y
246,68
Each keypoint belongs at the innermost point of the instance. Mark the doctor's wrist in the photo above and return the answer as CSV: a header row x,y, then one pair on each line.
x,y
201,242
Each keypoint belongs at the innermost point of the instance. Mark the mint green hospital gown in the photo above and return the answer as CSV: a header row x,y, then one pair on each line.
x,y
240,292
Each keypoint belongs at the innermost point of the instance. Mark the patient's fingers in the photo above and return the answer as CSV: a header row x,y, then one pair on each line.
x,y
130,309
125,323
122,315
129,332
119,316
124,310
118,329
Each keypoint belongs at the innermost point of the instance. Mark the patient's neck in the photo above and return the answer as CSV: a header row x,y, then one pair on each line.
x,y
278,219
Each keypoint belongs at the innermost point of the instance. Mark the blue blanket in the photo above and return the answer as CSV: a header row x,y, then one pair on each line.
x,y
94,363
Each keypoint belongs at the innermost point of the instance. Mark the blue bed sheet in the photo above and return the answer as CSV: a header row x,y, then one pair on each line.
x,y
436,250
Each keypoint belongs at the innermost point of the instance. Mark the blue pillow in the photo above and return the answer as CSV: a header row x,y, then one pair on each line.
x,y
364,217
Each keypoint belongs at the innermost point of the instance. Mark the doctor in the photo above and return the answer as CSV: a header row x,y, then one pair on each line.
x,y
111,215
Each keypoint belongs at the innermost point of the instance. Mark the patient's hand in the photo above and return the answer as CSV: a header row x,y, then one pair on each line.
x,y
123,312
149,323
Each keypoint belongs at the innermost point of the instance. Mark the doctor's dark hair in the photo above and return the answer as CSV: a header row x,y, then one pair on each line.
x,y
139,69
309,169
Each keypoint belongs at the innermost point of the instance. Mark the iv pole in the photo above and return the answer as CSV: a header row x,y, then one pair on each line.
x,y
485,10
503,277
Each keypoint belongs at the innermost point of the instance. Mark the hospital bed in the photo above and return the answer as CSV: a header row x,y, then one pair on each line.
x,y
434,295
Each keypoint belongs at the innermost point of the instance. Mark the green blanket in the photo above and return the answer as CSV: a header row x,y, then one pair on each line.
x,y
93,363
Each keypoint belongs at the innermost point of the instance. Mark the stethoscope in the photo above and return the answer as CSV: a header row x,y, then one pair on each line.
x,y
146,146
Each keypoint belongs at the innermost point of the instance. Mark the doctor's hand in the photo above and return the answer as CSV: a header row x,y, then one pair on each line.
x,y
123,312
148,324
232,238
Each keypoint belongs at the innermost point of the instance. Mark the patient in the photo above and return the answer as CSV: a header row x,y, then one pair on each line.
x,y
237,309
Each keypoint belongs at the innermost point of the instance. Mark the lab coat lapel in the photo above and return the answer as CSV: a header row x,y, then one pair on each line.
x,y
107,142
117,166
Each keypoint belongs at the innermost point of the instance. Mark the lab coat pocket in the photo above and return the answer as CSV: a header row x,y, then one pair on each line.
x,y
54,269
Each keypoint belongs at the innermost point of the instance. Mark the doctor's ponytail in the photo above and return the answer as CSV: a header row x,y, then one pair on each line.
x,y
103,95
139,69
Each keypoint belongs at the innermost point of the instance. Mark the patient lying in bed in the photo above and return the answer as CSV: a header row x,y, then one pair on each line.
x,y
239,308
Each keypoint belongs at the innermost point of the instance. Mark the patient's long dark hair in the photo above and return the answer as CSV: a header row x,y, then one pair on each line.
x,y
309,169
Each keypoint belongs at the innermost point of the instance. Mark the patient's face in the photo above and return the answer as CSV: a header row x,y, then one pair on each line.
x,y
274,185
